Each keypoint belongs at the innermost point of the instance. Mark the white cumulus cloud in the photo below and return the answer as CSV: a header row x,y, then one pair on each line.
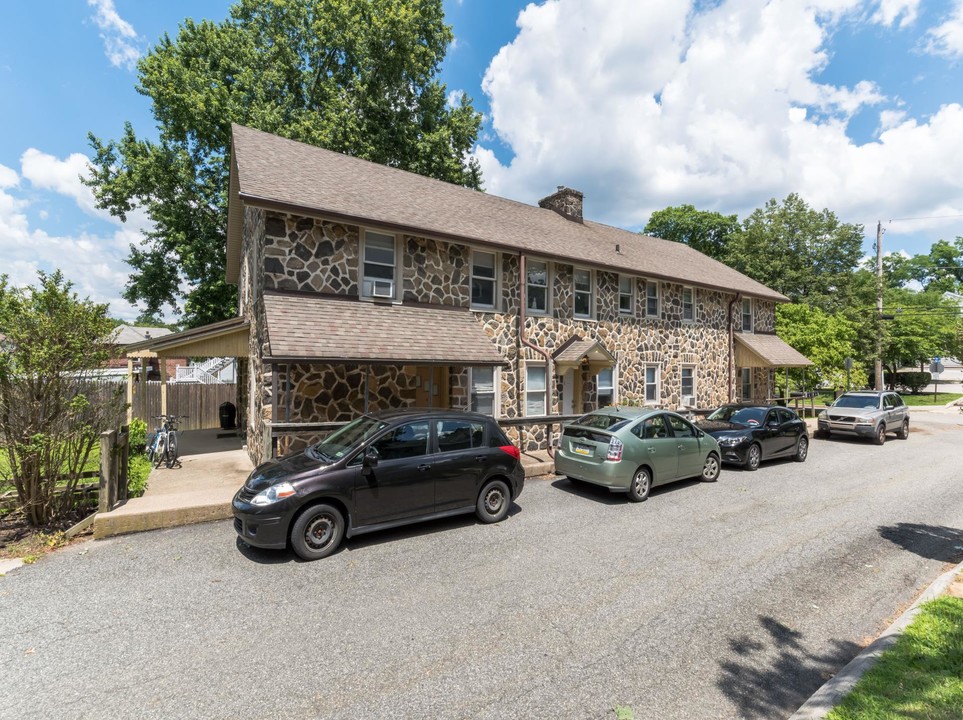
x,y
121,42
643,104
946,39
890,11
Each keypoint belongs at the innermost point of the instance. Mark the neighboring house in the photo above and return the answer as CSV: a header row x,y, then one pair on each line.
x,y
364,287
128,335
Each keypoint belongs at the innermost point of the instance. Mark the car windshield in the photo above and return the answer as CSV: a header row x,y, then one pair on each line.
x,y
857,401
350,436
749,417
723,413
600,421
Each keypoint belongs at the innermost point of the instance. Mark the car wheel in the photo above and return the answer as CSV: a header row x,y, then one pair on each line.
x,y
802,449
753,457
317,532
640,485
493,502
711,468
903,430
880,436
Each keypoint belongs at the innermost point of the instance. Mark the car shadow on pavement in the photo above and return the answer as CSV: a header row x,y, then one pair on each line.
x,y
605,496
929,541
774,672
427,527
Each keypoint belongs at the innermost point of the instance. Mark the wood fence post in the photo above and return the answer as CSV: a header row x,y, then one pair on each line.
x,y
108,463
124,453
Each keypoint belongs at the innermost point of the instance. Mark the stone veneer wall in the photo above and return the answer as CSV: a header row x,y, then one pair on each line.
x,y
309,254
252,280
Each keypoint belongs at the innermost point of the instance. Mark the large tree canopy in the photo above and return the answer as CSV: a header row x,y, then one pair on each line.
x,y
706,231
355,76
807,255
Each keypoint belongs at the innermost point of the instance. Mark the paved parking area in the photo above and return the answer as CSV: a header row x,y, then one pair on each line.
x,y
726,600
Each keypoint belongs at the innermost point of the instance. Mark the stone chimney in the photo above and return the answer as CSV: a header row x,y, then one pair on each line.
x,y
566,202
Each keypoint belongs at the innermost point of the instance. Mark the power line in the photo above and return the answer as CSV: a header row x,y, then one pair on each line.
x,y
927,217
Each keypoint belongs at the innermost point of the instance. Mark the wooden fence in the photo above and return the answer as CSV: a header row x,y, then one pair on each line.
x,y
199,403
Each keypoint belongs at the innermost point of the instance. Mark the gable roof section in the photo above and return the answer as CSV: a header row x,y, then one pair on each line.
x,y
767,351
272,172
304,327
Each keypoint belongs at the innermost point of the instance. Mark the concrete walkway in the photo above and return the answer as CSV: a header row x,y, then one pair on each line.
x,y
213,466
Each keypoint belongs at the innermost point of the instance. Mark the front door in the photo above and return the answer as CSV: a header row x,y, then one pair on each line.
x,y
432,390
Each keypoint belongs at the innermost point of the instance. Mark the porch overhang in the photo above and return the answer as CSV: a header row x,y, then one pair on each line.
x,y
228,338
578,352
318,329
767,351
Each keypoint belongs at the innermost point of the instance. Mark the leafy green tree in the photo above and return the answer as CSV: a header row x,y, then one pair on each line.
x,y
826,339
708,232
924,325
48,425
355,76
940,270
807,255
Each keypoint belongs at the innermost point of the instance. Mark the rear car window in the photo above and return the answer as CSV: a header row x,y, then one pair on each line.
x,y
602,421
459,435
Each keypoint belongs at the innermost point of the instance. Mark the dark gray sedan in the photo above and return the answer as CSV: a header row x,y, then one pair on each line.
x,y
749,434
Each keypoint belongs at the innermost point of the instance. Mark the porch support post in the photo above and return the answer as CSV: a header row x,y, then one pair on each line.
x,y
367,374
130,389
162,367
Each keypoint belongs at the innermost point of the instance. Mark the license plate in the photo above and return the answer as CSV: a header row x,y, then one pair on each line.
x,y
582,450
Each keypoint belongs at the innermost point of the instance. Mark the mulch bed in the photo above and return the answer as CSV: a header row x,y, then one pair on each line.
x,y
16,534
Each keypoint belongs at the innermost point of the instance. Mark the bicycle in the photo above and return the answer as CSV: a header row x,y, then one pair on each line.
x,y
163,446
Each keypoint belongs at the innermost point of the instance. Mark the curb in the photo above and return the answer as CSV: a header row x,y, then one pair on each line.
x,y
837,687
8,565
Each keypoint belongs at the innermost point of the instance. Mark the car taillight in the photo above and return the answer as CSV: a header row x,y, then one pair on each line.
x,y
615,450
511,450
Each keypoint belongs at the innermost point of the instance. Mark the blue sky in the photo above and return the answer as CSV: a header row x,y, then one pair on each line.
x,y
640,104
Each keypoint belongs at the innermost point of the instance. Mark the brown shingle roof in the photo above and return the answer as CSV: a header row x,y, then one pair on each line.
x,y
311,327
767,351
271,171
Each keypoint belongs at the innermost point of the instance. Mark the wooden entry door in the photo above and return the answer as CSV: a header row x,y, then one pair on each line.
x,y
433,387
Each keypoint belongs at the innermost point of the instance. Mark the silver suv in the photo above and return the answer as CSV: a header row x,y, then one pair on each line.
x,y
866,414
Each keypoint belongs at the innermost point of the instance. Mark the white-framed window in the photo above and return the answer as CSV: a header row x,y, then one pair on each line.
x,y
484,279
745,375
652,298
746,315
688,386
605,385
651,384
582,283
536,286
482,382
688,304
626,295
535,390
380,265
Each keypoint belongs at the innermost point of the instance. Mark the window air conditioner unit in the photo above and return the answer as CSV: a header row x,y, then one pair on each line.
x,y
688,400
383,289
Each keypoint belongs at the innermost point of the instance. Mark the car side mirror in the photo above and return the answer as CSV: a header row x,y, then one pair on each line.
x,y
370,459
773,423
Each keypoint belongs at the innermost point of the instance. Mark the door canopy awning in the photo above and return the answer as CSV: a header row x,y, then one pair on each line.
x,y
767,351
577,351
311,328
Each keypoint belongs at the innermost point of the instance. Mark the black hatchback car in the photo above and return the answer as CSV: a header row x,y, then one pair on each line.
x,y
379,471
749,434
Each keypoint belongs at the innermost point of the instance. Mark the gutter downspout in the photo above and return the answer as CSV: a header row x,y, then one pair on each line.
x,y
732,343
549,384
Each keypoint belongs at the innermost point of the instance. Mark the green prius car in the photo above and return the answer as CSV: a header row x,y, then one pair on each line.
x,y
632,449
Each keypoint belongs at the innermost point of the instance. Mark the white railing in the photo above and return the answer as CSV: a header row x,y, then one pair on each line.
x,y
205,373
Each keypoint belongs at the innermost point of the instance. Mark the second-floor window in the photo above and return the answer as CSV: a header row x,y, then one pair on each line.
x,y
747,315
688,304
626,294
583,292
536,286
652,298
380,263
483,279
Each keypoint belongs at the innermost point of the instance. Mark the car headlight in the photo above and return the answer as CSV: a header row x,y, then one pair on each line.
x,y
274,493
729,441
864,421
823,415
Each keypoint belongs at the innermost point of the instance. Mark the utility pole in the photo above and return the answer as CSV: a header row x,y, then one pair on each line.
x,y
879,306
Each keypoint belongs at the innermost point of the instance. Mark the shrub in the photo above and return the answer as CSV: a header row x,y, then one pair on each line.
x,y
913,382
138,468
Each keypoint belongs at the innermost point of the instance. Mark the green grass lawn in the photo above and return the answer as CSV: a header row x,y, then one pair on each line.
x,y
921,676
927,399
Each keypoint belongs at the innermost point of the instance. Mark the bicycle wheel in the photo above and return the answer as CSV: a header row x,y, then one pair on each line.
x,y
171,449
160,449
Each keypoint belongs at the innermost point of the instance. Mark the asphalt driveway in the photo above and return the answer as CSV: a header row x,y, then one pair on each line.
x,y
726,600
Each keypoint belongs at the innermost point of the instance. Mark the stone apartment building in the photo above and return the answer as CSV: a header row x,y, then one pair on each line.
x,y
364,287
